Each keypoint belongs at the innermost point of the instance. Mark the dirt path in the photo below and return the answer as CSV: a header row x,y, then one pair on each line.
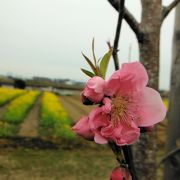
x,y
74,107
29,128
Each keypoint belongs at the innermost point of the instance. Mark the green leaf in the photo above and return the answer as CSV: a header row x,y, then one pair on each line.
x,y
90,63
104,62
88,73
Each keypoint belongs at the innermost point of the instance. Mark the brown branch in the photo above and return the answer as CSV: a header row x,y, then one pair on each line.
x,y
130,19
170,154
167,9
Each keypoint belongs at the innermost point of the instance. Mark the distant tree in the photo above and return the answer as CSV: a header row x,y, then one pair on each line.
x,y
19,83
172,161
148,36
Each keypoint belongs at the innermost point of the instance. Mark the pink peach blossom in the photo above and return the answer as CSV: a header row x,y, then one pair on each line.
x,y
126,105
105,129
120,174
143,103
129,105
82,128
94,89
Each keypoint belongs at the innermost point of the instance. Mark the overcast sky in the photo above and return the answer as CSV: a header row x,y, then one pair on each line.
x,y
46,37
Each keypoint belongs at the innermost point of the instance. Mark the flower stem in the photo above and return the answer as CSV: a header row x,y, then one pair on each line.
x,y
117,35
118,152
124,157
129,160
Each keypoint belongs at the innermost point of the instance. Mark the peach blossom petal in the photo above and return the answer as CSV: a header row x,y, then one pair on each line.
x,y
132,76
138,71
96,83
126,134
98,138
82,128
97,119
151,108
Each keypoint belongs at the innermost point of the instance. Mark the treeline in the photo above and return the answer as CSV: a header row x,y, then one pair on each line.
x,y
39,82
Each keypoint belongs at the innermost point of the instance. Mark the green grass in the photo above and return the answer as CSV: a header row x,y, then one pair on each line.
x,y
7,130
75,164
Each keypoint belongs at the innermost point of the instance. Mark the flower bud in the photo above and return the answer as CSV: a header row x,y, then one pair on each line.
x,y
120,173
82,128
85,100
146,129
94,90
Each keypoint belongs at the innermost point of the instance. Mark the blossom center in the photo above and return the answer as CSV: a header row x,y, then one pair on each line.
x,y
119,110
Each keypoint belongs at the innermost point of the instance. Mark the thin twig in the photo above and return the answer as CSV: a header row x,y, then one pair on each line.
x,y
128,16
118,152
170,154
167,9
118,30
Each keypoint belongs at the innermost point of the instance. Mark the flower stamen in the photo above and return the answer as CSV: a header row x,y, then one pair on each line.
x,y
119,110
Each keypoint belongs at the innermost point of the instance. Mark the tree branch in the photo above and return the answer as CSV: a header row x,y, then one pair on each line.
x,y
167,9
117,36
170,154
130,19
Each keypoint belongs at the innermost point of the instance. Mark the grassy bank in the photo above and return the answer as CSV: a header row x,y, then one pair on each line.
x,y
75,164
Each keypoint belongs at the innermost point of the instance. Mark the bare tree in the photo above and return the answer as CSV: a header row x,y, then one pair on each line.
x,y
172,161
148,36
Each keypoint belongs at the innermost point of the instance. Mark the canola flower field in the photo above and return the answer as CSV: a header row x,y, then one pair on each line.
x,y
19,107
7,94
54,117
53,121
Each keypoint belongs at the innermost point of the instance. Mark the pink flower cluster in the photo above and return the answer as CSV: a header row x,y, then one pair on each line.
x,y
125,105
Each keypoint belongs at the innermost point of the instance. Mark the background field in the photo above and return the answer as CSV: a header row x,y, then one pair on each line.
x,y
37,142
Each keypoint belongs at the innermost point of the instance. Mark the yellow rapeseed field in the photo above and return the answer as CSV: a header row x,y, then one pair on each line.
x,y
18,108
54,116
7,94
166,102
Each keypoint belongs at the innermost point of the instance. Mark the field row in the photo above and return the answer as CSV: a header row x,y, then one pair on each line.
x,y
53,121
48,118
